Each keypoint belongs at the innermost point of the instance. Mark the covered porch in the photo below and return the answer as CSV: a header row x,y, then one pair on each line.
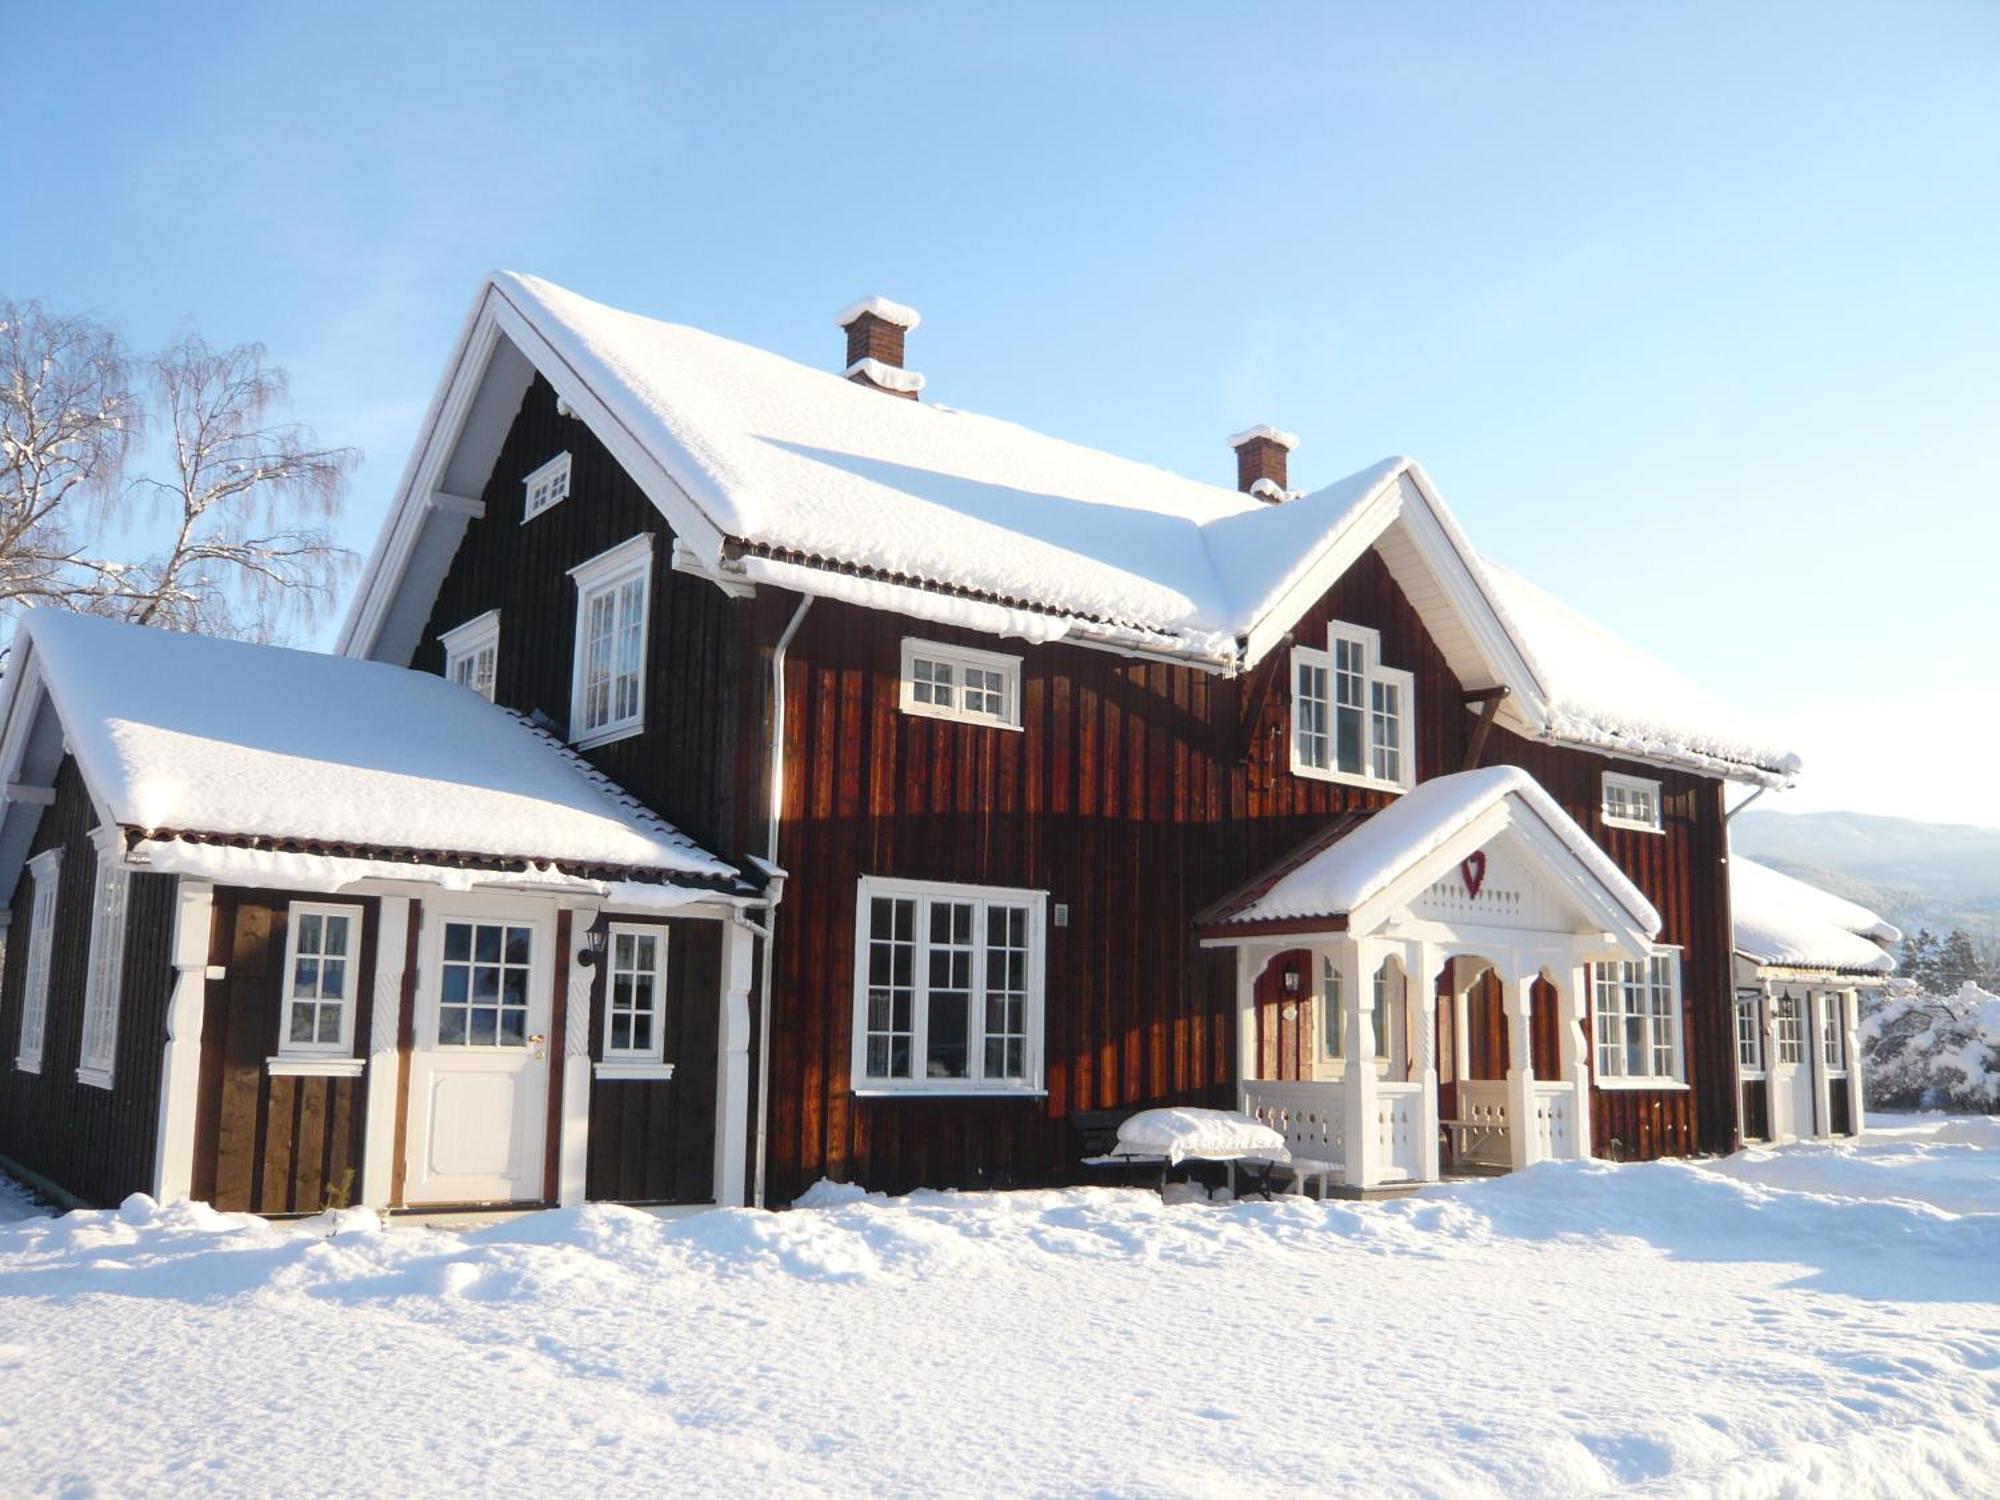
x,y
1413,985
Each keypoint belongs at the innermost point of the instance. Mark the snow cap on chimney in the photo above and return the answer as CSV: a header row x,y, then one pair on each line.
x,y
875,329
1261,453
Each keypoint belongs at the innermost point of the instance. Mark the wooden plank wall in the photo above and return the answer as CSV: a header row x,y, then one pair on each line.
x,y
95,1143
686,763
272,1145
1136,796
654,1142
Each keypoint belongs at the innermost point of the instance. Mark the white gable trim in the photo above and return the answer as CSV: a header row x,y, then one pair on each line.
x,y
1407,522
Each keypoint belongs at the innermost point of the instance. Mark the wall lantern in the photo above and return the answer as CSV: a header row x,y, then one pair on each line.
x,y
592,951
1294,981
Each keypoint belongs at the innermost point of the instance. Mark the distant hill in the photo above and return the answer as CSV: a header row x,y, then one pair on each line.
x,y
1935,875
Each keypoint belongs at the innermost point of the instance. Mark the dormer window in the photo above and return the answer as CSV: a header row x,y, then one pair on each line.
x,y
1351,715
1632,802
957,682
547,486
472,653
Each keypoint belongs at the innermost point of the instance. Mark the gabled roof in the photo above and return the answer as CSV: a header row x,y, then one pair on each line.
x,y
1361,863
219,744
771,471
1784,923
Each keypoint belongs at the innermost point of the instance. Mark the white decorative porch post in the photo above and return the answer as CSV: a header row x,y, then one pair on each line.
x,y
1362,1149
378,1131
1246,1025
1524,1141
180,1071
1850,1050
1421,979
732,1043
573,1144
1822,1091
1575,1048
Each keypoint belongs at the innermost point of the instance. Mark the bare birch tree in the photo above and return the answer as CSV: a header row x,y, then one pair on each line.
x,y
235,539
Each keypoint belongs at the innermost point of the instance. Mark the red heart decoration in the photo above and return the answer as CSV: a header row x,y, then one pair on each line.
x,y
1474,871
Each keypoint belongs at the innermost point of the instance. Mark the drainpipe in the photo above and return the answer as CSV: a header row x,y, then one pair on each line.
x,y
773,813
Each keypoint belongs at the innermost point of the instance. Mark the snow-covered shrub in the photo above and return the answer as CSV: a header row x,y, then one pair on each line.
x,y
1926,1051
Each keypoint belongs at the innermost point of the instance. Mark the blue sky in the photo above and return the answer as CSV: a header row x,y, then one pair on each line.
x,y
1692,312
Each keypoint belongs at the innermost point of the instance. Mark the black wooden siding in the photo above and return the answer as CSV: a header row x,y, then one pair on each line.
x,y
685,764
95,1143
273,1145
654,1142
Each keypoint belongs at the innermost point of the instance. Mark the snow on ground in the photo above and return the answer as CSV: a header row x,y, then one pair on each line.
x,y
1794,1322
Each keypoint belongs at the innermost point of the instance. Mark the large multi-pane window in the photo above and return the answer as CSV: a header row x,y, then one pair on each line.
x,y
322,947
1637,1005
45,869
105,976
483,984
948,987
1750,1035
1350,713
957,682
609,694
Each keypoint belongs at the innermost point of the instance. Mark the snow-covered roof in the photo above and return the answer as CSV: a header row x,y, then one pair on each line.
x,y
755,457
1368,857
1782,922
187,735
1612,696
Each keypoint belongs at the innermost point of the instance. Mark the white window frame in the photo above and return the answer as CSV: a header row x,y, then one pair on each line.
x,y
46,869
959,659
465,644
924,893
609,573
104,977
1750,1008
636,1062
1364,645
1617,978
335,1058
546,488
1621,791
1833,1034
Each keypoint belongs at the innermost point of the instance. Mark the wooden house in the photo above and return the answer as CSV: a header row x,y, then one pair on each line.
x,y
894,788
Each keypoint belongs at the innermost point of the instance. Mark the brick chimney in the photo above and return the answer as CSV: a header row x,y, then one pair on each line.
x,y
1260,462
875,330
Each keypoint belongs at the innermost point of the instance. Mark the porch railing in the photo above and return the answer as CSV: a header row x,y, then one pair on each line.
x,y
1399,1127
1482,1106
1310,1116
1555,1120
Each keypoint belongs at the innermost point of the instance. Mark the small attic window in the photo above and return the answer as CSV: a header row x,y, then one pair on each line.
x,y
546,487
957,682
1632,802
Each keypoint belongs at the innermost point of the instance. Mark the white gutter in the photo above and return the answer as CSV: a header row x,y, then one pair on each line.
x,y
773,813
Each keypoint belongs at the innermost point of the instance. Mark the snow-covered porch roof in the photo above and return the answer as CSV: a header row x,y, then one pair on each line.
x,y
1479,851
260,765
1785,926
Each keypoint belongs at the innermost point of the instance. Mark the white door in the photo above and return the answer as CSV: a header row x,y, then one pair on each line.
x,y
1791,1067
479,1071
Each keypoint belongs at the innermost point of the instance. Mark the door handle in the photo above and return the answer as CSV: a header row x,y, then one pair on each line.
x,y
536,1042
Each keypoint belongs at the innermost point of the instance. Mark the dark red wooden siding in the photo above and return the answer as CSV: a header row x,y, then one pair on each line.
x,y
95,1143
654,1142
273,1145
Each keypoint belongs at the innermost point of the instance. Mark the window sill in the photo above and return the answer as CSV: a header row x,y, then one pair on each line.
x,y
946,716
1641,1085
97,1078
636,1072
1347,778
315,1067
611,736
946,1091
1631,825
23,1065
